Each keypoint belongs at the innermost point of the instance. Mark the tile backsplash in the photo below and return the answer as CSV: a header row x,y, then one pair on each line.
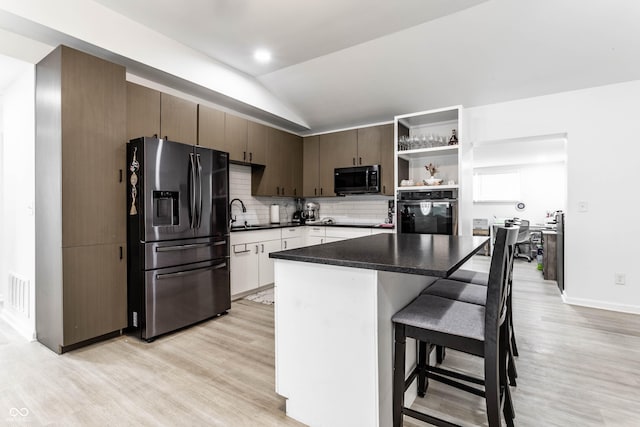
x,y
350,209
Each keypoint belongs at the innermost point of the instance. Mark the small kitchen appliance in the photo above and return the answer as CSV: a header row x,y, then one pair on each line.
x,y
311,211
298,214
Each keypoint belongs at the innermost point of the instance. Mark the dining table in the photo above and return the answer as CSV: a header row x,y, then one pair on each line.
x,y
333,329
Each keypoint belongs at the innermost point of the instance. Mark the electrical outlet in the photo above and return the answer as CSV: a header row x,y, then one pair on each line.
x,y
619,278
583,206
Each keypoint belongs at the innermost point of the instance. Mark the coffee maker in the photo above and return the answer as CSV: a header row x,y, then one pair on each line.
x,y
298,214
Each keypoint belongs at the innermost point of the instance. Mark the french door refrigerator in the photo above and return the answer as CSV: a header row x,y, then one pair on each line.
x,y
178,235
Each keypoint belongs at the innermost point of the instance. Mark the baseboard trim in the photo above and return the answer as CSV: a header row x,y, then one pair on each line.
x,y
23,330
603,305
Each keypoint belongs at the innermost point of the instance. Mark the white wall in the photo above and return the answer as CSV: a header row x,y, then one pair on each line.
x,y
602,129
17,228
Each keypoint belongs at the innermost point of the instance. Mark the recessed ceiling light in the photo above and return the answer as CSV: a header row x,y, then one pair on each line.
x,y
262,56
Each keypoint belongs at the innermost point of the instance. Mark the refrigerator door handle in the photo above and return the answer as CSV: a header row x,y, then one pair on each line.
x,y
190,246
188,272
199,189
192,192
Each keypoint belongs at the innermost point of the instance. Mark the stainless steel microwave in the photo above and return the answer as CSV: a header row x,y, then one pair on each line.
x,y
357,180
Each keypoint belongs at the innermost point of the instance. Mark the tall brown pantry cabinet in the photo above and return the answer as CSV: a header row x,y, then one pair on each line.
x,y
80,202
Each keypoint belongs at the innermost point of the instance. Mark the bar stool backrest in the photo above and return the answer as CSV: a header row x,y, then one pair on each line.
x,y
498,288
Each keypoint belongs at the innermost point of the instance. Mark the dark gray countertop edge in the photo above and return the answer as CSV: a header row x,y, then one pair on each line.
x,y
354,264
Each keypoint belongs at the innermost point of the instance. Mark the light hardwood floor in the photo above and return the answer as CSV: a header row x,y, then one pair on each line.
x,y
577,367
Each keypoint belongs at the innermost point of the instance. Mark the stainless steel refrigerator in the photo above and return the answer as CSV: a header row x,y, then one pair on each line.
x,y
178,238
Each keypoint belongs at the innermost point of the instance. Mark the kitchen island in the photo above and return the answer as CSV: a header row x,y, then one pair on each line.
x,y
333,308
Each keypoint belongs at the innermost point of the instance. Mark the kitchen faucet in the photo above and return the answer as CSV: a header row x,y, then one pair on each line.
x,y
232,219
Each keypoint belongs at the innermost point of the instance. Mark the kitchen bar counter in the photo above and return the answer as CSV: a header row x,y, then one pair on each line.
x,y
334,335
424,254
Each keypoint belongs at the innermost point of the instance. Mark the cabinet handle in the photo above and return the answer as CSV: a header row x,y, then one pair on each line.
x,y
321,241
278,191
244,156
155,135
256,248
360,160
120,175
250,157
354,161
261,248
285,244
321,191
295,192
166,138
121,252
241,252
315,191
282,191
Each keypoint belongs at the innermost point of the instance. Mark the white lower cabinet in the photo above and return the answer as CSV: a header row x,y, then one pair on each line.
x,y
251,267
250,264
292,238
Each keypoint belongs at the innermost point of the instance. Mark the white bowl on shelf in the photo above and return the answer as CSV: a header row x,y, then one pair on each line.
x,y
433,181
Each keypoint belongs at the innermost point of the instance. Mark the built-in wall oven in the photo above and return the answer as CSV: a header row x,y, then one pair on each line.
x,y
428,212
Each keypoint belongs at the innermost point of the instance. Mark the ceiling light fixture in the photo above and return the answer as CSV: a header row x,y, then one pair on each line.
x,y
262,55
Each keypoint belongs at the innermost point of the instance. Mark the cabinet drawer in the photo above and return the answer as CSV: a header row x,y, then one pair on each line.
x,y
347,233
292,232
241,237
316,231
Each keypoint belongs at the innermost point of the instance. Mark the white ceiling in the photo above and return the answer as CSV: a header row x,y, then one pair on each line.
x,y
295,31
352,62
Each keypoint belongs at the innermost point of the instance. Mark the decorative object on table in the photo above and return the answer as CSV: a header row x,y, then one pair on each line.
x,y
133,179
431,169
431,179
454,139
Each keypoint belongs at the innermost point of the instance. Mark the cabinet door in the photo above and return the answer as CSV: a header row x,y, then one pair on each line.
x,y
178,119
256,143
235,137
244,267
292,243
369,142
337,150
310,166
386,160
265,268
315,240
295,160
211,128
268,181
94,296
143,111
93,150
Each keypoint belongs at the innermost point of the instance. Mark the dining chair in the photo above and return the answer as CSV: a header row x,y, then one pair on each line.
x,y
471,328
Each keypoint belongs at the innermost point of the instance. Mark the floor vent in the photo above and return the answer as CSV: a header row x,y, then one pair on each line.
x,y
19,295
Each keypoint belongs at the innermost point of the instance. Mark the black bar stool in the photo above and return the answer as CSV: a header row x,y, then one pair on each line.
x,y
471,328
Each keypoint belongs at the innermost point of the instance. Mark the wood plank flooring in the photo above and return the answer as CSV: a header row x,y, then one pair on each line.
x,y
577,367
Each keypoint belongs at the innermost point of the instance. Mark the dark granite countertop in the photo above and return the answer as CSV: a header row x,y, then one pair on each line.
x,y
425,254
265,226
315,224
